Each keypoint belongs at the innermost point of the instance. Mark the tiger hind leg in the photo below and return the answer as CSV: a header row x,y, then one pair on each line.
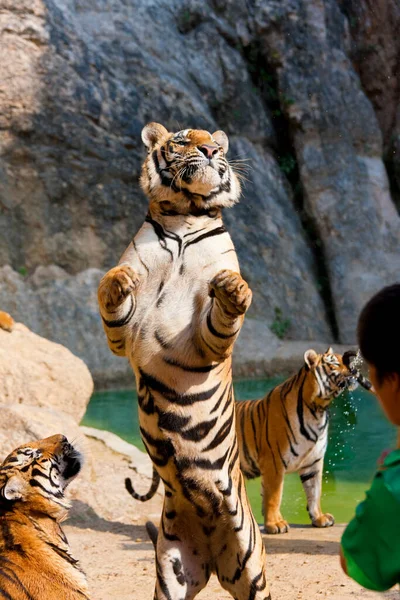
x,y
241,566
180,572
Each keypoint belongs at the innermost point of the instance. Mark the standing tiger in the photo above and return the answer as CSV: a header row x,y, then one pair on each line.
x,y
287,432
175,305
35,559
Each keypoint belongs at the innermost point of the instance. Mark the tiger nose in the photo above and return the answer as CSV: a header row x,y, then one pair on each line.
x,y
208,151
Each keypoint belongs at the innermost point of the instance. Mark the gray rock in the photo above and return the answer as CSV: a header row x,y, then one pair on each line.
x,y
94,77
338,148
375,51
274,257
82,79
259,353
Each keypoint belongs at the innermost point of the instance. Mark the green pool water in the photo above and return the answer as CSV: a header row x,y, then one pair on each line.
x,y
358,433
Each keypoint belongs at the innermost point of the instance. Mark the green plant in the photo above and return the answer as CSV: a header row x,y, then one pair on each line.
x,y
286,100
279,326
23,271
287,163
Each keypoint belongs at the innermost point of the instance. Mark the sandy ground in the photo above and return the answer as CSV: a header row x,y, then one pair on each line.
x,y
302,565
106,532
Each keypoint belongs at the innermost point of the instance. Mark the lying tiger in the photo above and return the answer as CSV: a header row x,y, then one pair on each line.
x,y
175,305
35,559
287,432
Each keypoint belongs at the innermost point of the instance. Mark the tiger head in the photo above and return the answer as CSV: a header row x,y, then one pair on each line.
x,y
187,170
329,374
34,476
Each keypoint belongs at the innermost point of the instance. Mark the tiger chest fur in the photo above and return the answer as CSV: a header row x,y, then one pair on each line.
x,y
174,305
183,393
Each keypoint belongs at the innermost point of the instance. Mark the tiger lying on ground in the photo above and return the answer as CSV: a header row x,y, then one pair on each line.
x,y
35,559
287,432
175,305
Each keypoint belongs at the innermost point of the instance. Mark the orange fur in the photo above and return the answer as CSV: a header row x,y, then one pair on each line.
x,y
174,306
6,321
286,431
35,560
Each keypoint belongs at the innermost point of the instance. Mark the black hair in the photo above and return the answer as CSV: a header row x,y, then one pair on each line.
x,y
379,331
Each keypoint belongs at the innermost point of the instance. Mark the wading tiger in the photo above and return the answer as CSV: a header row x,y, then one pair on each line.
x,y
175,305
287,432
35,559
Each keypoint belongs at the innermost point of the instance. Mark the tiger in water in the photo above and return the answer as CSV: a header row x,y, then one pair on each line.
x,y
174,306
35,559
287,432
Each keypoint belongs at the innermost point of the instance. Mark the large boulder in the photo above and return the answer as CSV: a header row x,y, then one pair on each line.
x,y
63,308
37,372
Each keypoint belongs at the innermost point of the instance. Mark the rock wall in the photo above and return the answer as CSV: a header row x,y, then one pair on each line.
x,y
375,52
82,79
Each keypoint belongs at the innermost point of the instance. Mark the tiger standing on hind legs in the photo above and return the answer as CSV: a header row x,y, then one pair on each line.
x,y
175,305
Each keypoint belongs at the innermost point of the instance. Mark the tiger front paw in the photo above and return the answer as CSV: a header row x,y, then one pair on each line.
x,y
274,527
116,285
325,520
232,292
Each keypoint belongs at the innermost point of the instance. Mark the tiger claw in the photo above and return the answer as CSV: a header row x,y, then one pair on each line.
x,y
281,526
116,285
232,291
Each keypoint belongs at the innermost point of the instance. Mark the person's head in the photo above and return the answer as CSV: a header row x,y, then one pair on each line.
x,y
379,340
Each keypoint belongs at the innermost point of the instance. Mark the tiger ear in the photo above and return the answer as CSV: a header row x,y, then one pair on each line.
x,y
311,358
222,140
152,133
329,351
14,488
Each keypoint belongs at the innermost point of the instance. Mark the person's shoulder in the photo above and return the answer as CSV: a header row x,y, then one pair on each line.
x,y
392,459
390,472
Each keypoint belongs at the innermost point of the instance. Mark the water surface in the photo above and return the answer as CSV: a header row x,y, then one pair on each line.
x,y
358,433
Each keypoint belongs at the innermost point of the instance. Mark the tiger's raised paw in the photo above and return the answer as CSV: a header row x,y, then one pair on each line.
x,y
116,285
325,520
232,291
281,526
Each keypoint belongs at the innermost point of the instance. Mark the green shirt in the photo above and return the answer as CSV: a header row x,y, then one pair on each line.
x,y
371,541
